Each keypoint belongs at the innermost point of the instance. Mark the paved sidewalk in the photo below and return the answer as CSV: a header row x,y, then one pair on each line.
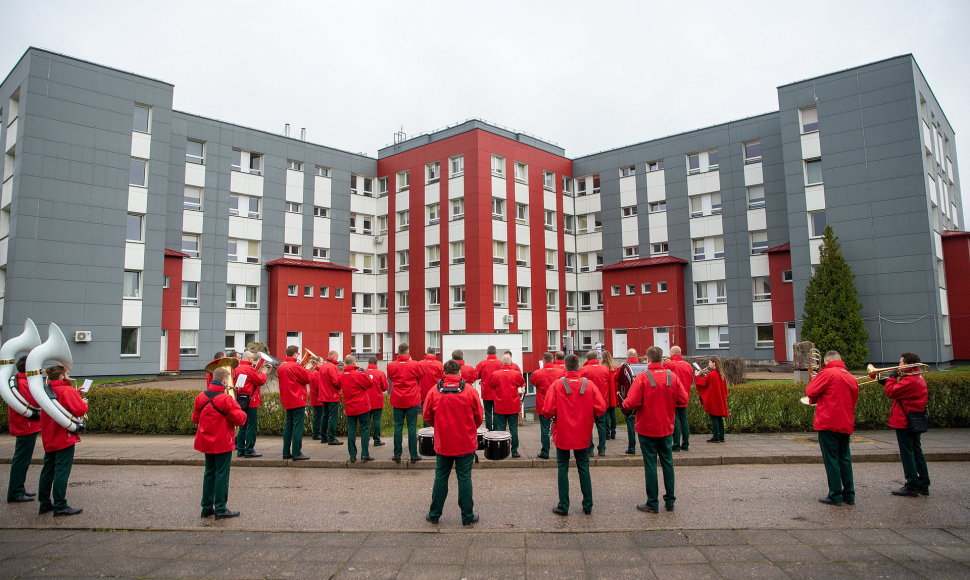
x,y
668,554
770,448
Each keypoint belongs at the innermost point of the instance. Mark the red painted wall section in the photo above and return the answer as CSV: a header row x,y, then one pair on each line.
x,y
314,317
782,298
640,313
956,261
172,307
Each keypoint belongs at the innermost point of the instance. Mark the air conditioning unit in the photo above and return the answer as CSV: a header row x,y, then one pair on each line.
x,y
570,322
378,239
82,336
508,319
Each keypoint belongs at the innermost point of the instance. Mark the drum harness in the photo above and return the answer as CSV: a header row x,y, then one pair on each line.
x,y
457,389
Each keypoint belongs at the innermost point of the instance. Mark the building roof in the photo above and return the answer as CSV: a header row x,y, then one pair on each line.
x,y
786,247
176,254
955,234
643,263
308,264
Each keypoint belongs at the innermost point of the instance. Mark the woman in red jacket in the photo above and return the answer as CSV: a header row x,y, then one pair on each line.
x,y
59,445
908,393
25,430
216,413
713,391
610,394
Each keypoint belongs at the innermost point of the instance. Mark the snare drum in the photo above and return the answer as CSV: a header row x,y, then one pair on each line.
x,y
481,437
498,445
426,441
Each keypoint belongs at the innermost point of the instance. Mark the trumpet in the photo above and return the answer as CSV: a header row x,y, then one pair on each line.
x,y
308,360
873,374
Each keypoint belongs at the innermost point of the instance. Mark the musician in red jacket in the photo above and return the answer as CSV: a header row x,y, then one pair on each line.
x,y
246,438
326,378
467,372
433,371
507,385
356,386
216,412
484,369
59,445
574,403
684,372
712,389
835,391
632,358
599,375
454,408
376,396
405,374
654,395
908,391
541,380
208,376
293,381
25,430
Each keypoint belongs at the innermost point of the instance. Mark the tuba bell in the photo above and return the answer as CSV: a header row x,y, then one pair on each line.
x,y
308,360
28,340
54,348
228,362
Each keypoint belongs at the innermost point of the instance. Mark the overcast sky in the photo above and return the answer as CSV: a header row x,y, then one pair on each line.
x,y
585,75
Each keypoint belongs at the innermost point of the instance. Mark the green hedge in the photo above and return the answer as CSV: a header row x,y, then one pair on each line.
x,y
756,407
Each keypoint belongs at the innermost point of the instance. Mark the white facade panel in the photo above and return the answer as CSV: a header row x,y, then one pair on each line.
x,y
131,313
456,319
192,222
191,270
708,182
944,304
134,256
753,174
707,270
294,193
814,197
432,321
7,192
585,204
402,201
432,193
500,231
549,200
655,179
761,312
552,320
190,318
456,188
552,240
710,315
552,280
456,231
195,174
498,187
757,220
500,275
432,236
141,145
521,192
246,319
245,183
628,186
137,199
432,278
814,246
632,237
240,227
321,233
366,205
292,228
759,265
706,226
245,274
456,276
811,146
321,191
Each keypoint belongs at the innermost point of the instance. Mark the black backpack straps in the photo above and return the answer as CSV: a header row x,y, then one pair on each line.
x,y
212,395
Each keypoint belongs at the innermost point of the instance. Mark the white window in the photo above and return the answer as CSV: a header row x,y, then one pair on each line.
x,y
319,211
596,183
764,336
291,290
458,296
521,255
521,213
631,252
321,254
712,292
247,161
434,298
190,293
382,302
434,213
809,119
705,205
294,165
526,340
291,249
498,165
432,172
129,341
402,301
550,259
195,152
338,293
660,249
238,296
628,171
403,259
382,224
403,180
657,165
521,172
243,251
135,228
550,219
403,220
324,291
553,339
381,186
813,171
752,152
457,209
188,343
645,288
322,171
571,300
457,250
552,300
708,248
434,255
499,252
759,241
498,208
500,295
631,289
710,337
816,223
457,165
523,294
584,261
658,206
368,186
138,172
585,301
132,285
786,276
166,280
549,180
569,224
191,245
381,263
762,288
702,161
141,122
630,210
567,186
245,206
353,184
192,198
615,290
570,262
756,196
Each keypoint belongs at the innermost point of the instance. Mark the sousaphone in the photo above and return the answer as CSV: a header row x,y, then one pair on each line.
x,y
28,340
54,348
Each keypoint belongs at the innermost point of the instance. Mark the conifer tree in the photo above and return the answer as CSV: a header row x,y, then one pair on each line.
x,y
832,318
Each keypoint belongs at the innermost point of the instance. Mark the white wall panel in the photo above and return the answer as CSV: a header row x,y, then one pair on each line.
x,y
134,256
190,318
321,233
521,192
759,265
138,200
703,227
710,315
708,182
191,270
707,270
245,183
498,187
655,179
456,275
813,246
552,321
239,227
195,174
811,147
500,231
552,240
549,201
761,312
131,313
321,191
292,228
753,174
245,319
814,197
402,201
245,274
456,187
456,318
757,220
500,275
192,222
141,145
432,193
552,279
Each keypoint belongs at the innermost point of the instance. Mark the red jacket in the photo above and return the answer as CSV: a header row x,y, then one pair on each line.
x,y
468,373
325,383
216,420
542,379
835,391
909,394
293,382
17,423
598,374
404,375
654,406
574,412
455,417
433,371
684,372
52,434
713,392
484,369
504,384
254,380
633,360
376,394
208,376
356,385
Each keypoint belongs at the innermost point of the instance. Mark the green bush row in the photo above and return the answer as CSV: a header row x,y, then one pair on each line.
x,y
756,407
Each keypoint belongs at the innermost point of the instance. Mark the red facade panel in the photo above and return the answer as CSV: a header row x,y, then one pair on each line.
x,y
314,317
172,308
782,298
639,313
956,261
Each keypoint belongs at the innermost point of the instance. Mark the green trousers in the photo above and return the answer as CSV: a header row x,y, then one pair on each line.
x,y
329,422
582,466
375,424
911,454
439,493
317,421
215,482
545,425
54,475
411,415
293,431
510,423
631,434
717,428
654,448
838,465
354,423
246,437
599,428
682,429
489,414
22,452
611,422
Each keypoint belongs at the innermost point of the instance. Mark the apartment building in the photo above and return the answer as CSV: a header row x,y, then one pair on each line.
x,y
155,237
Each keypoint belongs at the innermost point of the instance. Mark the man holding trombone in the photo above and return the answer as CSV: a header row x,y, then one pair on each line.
x,y
907,389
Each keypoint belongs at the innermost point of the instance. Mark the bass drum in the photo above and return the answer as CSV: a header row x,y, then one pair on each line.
x,y
481,437
426,441
498,445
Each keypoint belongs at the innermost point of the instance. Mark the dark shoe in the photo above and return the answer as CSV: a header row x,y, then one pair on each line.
x,y
335,442
28,494
849,502
416,459
474,520
601,453
669,507
587,511
67,511
675,448
828,501
317,438
631,451
253,455
378,443
287,457
683,448
543,456
353,460
396,459
300,457
366,459
713,440
240,454
645,508
720,440
921,492
20,499
45,509
905,491
559,511
227,514
208,513
431,520
515,455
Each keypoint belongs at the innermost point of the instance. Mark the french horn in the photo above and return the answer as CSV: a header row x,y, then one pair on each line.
x,y
28,340
54,348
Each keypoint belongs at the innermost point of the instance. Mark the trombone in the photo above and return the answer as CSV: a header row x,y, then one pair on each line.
x,y
873,374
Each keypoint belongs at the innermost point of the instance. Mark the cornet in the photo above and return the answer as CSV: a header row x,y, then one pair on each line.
x,y
308,360
873,374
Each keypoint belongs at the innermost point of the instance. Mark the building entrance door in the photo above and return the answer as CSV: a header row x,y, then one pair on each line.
x,y
619,344
790,340
163,357
661,339
336,343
